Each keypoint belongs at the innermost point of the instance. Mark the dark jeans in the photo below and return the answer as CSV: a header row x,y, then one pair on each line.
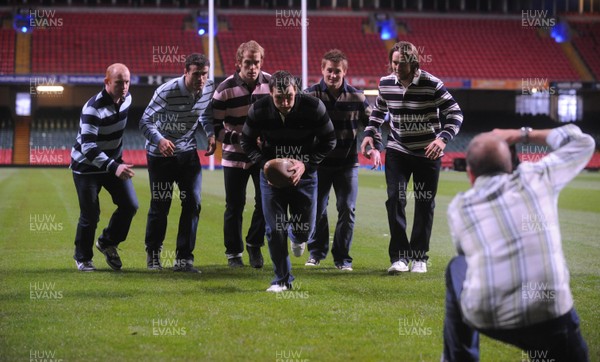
x,y
299,224
555,340
345,185
184,170
123,195
236,180
399,167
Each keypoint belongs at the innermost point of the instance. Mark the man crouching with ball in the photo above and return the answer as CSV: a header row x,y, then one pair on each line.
x,y
294,126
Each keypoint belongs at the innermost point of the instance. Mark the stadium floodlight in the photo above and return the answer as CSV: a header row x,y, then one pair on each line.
x,y
22,22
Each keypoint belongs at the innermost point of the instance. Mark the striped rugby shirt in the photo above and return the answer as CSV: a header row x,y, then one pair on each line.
x,y
306,133
414,112
347,113
230,103
99,144
174,113
507,228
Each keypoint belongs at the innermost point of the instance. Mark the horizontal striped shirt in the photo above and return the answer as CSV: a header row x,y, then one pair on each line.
x,y
415,112
305,133
175,114
349,111
507,228
99,144
230,103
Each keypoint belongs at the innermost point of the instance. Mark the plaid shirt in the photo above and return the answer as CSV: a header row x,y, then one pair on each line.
x,y
507,228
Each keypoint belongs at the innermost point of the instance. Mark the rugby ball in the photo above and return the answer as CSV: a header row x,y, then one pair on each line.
x,y
276,172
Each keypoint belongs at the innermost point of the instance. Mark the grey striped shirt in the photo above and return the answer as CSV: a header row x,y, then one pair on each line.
x,y
175,114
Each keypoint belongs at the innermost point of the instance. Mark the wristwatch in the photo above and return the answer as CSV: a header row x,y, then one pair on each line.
x,y
525,134
444,139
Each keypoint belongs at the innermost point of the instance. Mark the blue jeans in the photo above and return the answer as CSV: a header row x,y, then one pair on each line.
x,y
184,170
299,224
236,180
123,195
554,340
345,185
399,167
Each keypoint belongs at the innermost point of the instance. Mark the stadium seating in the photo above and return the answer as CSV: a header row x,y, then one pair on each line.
x,y
587,41
486,48
283,48
7,51
88,41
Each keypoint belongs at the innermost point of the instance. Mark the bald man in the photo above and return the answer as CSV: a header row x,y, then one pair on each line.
x,y
96,163
510,280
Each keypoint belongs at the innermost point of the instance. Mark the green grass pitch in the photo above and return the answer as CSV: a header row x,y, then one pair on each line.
x,y
49,310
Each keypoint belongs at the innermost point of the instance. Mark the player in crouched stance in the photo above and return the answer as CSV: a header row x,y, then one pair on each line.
x,y
510,280
288,124
96,163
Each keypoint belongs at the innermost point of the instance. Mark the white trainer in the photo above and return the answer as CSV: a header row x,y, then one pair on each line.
x,y
397,267
276,288
418,266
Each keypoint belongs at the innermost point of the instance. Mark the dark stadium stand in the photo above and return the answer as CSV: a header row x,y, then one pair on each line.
x,y
156,42
486,48
367,52
7,51
87,42
587,41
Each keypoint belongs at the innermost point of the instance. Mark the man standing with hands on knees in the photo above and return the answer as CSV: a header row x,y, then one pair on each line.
x,y
96,163
291,125
414,99
510,280
169,124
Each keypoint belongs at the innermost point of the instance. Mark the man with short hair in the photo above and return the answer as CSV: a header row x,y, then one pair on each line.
x,y
96,163
510,280
414,99
348,109
296,126
230,103
169,124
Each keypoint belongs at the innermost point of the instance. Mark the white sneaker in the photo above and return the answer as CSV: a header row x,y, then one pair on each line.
x,y
397,267
276,288
418,266
298,249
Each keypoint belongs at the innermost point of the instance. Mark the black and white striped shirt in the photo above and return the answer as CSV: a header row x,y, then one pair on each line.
x,y
99,144
414,112
174,113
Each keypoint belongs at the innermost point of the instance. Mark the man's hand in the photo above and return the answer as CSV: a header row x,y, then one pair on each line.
x,y
298,170
367,141
166,147
212,146
124,172
434,150
375,157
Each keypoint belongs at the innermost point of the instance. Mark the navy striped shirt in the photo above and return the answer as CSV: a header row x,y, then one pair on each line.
x,y
414,112
306,133
99,144
175,114
349,111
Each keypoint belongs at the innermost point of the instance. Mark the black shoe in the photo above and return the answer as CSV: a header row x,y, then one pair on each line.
x,y
255,255
153,260
183,265
235,262
112,257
